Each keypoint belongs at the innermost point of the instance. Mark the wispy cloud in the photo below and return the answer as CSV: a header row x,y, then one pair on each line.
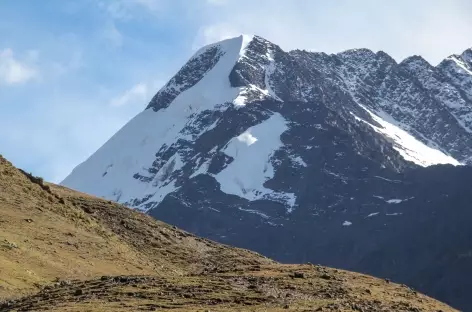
x,y
127,9
214,32
136,95
63,67
216,2
153,5
139,94
113,35
431,28
13,71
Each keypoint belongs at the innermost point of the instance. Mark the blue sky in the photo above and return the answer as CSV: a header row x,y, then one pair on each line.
x,y
72,72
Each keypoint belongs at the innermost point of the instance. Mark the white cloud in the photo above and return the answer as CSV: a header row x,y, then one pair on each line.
x,y
12,71
74,62
112,34
33,55
59,136
153,5
431,28
213,33
126,9
136,95
216,2
116,9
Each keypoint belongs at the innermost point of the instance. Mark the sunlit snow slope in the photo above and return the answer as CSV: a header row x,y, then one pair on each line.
x,y
114,166
226,112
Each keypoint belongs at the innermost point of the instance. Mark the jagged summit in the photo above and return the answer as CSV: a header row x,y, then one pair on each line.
x,y
467,55
463,61
211,62
297,154
220,67
416,61
174,139
358,54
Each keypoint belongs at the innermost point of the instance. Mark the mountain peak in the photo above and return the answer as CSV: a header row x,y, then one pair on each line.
x,y
358,52
238,42
224,53
467,56
415,61
216,64
357,55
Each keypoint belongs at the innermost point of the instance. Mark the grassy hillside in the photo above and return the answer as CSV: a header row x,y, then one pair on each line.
x,y
62,250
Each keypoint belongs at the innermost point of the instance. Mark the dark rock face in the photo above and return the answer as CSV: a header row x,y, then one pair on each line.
x,y
187,77
347,176
339,190
424,241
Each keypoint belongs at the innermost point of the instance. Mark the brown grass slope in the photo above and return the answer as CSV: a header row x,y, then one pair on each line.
x,y
61,250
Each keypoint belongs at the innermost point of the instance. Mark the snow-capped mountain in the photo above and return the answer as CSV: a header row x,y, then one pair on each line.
x,y
299,155
166,144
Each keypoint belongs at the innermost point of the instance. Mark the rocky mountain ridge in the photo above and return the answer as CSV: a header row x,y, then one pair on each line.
x,y
306,157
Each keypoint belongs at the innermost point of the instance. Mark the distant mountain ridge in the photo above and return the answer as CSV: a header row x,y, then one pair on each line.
x,y
305,156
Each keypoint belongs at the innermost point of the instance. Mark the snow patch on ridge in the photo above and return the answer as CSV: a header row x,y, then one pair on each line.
x,y
298,161
245,92
408,146
247,138
263,215
269,70
253,90
203,169
251,168
132,149
462,66
246,40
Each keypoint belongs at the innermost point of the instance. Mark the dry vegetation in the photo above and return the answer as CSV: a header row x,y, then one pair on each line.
x,y
61,250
